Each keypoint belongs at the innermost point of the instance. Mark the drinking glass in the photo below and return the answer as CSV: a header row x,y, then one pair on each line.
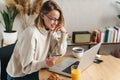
x,y
75,72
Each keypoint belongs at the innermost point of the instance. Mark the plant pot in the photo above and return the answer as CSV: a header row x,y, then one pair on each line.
x,y
9,38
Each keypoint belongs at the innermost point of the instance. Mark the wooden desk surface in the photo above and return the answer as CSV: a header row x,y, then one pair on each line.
x,y
109,69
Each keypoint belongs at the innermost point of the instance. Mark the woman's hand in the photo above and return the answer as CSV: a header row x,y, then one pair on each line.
x,y
60,28
50,61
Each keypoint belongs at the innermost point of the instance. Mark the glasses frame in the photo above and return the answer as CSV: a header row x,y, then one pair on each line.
x,y
52,19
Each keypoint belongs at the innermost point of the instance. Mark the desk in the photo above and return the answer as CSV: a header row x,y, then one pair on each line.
x,y
107,70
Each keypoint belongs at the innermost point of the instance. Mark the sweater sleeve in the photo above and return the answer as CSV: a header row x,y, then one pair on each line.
x,y
59,46
27,56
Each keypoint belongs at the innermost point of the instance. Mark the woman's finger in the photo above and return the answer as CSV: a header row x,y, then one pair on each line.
x,y
57,28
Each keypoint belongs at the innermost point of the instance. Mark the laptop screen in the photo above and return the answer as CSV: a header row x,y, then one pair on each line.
x,y
68,69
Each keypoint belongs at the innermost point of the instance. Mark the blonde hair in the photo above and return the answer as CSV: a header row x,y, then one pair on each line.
x,y
45,9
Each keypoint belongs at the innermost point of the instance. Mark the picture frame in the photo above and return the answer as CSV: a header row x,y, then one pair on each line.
x,y
81,36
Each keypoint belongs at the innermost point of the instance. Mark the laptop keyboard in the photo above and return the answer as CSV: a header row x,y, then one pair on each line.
x,y
68,69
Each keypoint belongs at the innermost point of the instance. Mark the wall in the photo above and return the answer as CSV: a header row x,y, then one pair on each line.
x,y
85,14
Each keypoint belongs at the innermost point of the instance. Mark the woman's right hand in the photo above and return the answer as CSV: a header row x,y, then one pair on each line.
x,y
60,28
50,62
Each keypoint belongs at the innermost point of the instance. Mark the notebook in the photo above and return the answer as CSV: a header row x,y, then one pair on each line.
x,y
86,60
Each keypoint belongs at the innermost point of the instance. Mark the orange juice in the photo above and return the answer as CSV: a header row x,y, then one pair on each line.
x,y
75,73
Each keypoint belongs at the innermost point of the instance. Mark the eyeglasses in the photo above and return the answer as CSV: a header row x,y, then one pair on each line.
x,y
52,19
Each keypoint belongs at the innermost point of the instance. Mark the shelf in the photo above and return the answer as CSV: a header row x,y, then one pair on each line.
x,y
80,44
89,43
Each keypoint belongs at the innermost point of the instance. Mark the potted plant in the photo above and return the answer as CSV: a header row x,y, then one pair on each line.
x,y
9,16
28,9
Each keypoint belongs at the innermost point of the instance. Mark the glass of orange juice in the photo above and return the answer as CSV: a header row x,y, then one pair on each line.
x,y
75,72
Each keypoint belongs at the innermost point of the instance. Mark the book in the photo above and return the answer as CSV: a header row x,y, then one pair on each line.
x,y
111,34
101,36
118,33
106,35
115,35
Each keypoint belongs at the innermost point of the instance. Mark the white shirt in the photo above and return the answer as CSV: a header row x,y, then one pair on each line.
x,y
31,50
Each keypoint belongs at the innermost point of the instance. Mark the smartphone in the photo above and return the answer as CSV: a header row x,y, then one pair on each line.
x,y
97,61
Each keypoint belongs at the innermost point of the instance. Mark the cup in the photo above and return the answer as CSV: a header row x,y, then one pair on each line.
x,y
75,72
77,52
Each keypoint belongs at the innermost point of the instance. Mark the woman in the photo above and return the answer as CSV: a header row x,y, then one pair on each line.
x,y
37,42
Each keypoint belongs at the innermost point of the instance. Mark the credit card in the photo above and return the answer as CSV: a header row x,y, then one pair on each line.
x,y
54,55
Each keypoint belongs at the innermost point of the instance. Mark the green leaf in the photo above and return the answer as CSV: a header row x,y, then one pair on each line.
x,y
8,18
118,16
118,2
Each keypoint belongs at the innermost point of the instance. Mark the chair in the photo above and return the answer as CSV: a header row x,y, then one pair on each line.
x,y
5,54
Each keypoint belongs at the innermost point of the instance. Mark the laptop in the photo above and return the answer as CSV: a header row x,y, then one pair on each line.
x,y
86,60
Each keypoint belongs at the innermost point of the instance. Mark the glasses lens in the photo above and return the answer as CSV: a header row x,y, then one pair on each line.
x,y
51,18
